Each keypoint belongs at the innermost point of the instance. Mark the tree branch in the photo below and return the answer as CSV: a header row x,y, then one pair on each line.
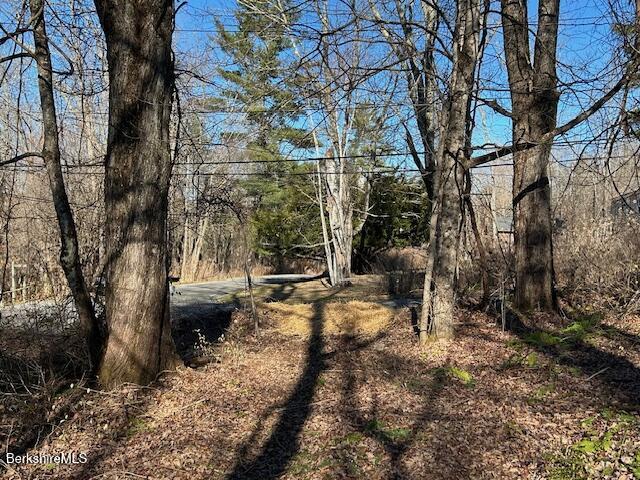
x,y
17,158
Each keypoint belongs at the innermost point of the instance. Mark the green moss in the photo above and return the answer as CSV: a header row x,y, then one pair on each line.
x,y
398,433
542,339
541,393
302,463
635,466
352,438
531,360
581,327
136,425
379,429
517,345
602,446
465,377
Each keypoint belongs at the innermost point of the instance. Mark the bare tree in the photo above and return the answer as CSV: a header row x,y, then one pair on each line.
x,y
420,72
138,168
534,99
452,161
69,252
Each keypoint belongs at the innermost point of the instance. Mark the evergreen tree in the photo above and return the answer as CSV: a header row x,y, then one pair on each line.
x,y
259,87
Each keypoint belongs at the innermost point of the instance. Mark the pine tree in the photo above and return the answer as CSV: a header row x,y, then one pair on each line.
x,y
259,87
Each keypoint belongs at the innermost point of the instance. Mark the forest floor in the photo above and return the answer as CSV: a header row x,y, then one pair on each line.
x,y
352,395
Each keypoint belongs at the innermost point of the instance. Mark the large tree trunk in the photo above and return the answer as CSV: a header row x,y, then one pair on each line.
x,y
534,106
138,165
533,244
69,251
439,291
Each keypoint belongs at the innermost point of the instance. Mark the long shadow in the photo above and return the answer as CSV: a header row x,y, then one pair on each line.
x,y
620,376
202,320
284,442
209,321
366,422
629,340
271,281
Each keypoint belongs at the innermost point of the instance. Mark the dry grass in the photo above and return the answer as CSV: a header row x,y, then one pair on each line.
x,y
363,287
336,318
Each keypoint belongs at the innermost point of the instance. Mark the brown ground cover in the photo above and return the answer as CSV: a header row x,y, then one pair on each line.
x,y
313,404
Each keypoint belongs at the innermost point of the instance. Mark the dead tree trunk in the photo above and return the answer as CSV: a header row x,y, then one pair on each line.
x,y
534,99
69,250
138,165
452,162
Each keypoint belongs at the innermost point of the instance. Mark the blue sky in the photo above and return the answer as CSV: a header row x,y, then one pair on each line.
x,y
584,45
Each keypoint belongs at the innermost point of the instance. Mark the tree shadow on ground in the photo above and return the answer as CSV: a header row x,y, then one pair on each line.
x,y
206,322
615,334
366,420
197,322
284,441
614,372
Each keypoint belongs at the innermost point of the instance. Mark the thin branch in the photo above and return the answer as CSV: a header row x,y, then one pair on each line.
x,y
17,158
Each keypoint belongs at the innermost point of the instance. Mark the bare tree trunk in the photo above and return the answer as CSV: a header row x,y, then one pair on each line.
x,y
340,211
533,244
186,249
325,233
197,247
247,273
138,166
439,290
69,250
535,104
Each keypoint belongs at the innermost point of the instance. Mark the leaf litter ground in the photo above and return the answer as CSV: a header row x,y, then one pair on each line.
x,y
310,404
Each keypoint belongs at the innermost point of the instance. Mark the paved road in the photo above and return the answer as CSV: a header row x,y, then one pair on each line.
x,y
194,299
211,291
187,301
197,313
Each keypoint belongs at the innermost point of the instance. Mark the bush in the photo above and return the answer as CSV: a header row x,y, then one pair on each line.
x,y
598,263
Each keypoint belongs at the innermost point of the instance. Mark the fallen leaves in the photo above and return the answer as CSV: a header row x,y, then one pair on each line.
x,y
366,406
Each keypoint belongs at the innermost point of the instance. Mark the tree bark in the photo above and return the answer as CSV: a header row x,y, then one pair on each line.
x,y
138,165
534,103
437,316
340,210
69,250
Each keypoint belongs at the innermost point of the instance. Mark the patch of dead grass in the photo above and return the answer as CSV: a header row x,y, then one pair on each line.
x,y
338,318
363,287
